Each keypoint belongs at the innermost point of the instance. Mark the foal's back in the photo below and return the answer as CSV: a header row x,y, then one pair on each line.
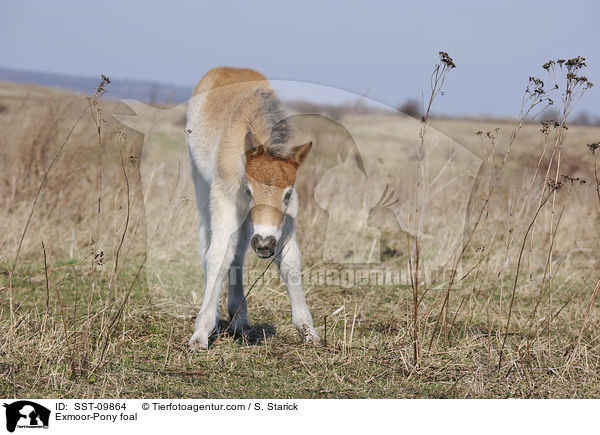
x,y
218,116
223,76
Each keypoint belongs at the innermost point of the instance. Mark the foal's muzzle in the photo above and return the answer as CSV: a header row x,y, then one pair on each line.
x,y
263,246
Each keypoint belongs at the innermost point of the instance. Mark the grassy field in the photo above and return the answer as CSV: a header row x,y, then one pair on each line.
x,y
100,279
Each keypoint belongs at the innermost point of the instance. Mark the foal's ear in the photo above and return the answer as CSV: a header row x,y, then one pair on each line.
x,y
250,141
255,152
252,146
300,152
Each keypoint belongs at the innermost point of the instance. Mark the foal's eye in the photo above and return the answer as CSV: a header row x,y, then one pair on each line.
x,y
248,192
287,196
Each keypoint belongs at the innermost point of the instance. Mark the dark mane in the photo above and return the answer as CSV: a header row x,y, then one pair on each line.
x,y
272,111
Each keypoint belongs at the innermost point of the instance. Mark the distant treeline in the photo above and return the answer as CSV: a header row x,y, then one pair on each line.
x,y
151,92
163,93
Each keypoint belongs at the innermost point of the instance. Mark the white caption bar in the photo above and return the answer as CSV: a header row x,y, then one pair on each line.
x,y
128,416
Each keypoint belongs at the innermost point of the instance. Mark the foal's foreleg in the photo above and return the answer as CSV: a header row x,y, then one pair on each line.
x,y
219,255
289,269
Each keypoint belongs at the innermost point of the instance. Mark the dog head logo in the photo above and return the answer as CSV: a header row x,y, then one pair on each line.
x,y
26,414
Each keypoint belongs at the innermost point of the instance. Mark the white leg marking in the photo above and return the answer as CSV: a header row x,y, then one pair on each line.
x,y
289,269
224,226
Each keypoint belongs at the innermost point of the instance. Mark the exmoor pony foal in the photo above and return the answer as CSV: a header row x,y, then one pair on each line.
x,y
244,168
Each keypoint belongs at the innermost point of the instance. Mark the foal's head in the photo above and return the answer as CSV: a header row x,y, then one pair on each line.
x,y
270,191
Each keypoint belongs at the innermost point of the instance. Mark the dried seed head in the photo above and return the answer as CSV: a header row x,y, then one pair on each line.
x,y
548,65
554,185
575,63
572,180
447,60
593,146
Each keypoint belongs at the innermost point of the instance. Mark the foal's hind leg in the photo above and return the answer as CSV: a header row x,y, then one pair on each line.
x,y
236,303
202,190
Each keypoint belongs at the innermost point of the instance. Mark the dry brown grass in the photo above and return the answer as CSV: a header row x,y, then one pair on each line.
x,y
77,326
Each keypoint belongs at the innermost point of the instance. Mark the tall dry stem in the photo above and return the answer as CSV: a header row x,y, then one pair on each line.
x,y
437,80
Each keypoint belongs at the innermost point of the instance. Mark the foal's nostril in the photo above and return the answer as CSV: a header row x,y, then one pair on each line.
x,y
254,242
260,242
264,246
271,243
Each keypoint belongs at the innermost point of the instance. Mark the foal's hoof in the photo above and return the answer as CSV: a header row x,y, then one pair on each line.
x,y
309,336
197,347
196,344
313,339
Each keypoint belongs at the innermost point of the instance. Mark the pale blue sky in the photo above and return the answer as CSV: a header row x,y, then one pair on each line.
x,y
387,48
